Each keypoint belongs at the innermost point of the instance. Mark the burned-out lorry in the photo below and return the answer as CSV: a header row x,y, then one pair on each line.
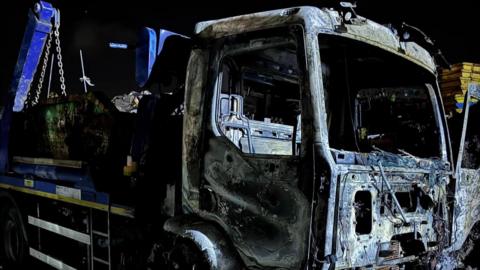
x,y
301,138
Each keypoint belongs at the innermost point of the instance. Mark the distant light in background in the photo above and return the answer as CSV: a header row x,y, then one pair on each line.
x,y
114,45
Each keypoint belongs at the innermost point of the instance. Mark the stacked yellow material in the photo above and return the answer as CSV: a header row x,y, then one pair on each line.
x,y
454,84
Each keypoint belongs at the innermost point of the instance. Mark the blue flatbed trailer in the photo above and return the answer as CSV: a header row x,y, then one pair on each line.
x,y
86,198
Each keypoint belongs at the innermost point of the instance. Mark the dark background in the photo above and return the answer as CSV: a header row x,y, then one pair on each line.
x,y
89,25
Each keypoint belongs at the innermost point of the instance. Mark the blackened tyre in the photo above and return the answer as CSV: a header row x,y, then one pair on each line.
x,y
13,244
186,256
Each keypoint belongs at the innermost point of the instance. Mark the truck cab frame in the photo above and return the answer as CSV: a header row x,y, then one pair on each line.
x,y
312,139
311,203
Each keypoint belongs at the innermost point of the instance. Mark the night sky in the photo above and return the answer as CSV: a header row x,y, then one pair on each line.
x,y
89,26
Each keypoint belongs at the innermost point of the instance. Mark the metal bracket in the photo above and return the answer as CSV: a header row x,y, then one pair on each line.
x,y
395,200
473,91
38,27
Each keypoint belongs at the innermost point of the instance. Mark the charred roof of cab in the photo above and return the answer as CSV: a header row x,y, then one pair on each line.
x,y
343,21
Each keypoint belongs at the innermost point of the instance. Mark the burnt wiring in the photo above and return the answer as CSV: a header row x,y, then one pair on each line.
x,y
434,50
394,197
387,206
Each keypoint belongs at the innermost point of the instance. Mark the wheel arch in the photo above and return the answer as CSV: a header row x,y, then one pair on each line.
x,y
210,240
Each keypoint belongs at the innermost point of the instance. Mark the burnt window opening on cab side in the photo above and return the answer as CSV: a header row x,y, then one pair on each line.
x,y
258,103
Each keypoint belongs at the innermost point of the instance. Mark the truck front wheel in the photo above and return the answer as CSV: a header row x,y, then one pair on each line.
x,y
13,245
186,256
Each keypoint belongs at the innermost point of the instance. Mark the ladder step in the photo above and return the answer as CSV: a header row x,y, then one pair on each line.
x,y
100,233
101,261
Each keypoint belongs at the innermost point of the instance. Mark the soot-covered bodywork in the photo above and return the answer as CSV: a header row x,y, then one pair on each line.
x,y
300,161
391,210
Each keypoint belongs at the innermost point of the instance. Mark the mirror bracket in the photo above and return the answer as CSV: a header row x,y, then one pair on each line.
x,y
473,91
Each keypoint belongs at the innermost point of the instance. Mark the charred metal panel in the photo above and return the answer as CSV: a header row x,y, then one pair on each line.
x,y
358,248
257,202
467,206
319,21
193,128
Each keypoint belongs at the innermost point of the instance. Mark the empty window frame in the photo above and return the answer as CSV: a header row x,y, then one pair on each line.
x,y
258,100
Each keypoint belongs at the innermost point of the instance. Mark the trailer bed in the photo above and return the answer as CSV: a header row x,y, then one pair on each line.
x,y
87,198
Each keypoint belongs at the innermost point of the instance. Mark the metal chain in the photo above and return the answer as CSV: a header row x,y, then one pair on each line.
x,y
42,73
56,32
59,58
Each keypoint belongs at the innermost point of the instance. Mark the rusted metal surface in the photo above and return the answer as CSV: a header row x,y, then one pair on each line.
x,y
77,128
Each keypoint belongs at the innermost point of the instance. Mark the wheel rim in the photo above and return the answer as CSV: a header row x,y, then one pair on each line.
x,y
176,265
180,258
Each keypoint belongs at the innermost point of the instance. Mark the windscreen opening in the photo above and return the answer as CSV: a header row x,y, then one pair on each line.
x,y
376,100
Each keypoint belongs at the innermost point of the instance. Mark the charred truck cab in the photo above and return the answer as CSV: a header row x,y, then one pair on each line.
x,y
312,141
